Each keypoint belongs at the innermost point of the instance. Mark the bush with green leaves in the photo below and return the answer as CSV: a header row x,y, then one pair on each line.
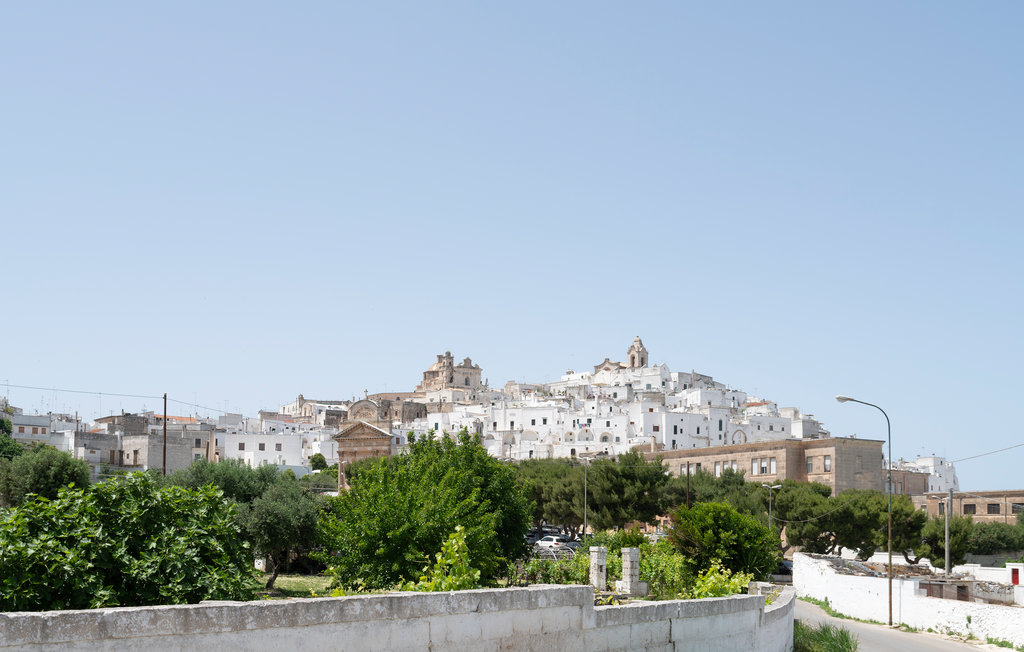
x,y
715,532
9,449
715,581
667,573
235,478
451,570
992,538
41,470
122,542
400,510
318,462
570,569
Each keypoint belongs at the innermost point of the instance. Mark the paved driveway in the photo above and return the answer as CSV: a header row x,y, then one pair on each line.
x,y
879,638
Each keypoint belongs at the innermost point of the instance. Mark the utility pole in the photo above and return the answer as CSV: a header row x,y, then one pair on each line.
x,y
687,485
949,506
165,433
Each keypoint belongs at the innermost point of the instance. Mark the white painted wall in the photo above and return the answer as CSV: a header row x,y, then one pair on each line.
x,y
560,618
868,597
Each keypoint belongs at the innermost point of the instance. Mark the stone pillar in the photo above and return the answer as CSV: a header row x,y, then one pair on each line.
x,y
630,583
599,567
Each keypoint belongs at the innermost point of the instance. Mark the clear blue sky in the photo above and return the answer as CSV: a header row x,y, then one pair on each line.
x,y
238,202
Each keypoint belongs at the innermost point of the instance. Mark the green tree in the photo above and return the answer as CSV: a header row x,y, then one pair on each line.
x,y
122,542
933,540
41,470
400,510
990,538
805,511
280,521
239,481
625,490
9,449
318,462
707,532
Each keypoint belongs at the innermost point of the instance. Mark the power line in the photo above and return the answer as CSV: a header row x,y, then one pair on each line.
x,y
80,391
962,459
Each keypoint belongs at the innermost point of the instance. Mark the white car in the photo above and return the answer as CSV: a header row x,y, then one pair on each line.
x,y
553,541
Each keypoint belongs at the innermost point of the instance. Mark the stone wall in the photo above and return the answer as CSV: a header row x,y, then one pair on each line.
x,y
543,617
868,597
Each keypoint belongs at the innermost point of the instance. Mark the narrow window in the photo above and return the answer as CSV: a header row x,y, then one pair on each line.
x,y
544,421
241,446
607,424
772,466
719,425
810,465
771,427
753,467
718,469
828,463
942,507
533,422
675,430
698,430
199,443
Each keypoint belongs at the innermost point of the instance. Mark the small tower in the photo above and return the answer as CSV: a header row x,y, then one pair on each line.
x,y
637,354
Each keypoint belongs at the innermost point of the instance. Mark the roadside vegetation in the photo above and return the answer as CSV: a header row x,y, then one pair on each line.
x,y
822,638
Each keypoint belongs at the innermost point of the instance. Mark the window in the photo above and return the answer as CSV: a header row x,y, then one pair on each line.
x,y
698,466
759,426
719,425
277,447
698,430
993,508
589,420
494,425
511,425
1016,508
734,468
615,395
783,428
241,445
435,425
771,427
21,430
572,452
607,424
650,409
718,469
942,507
828,464
199,443
764,466
673,444
969,509
35,431
772,467
675,430
753,467
648,385
43,430
533,422
197,456
810,465
544,421
263,447
467,381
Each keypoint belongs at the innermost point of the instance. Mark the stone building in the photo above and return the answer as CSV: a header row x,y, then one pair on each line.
x,y
359,440
982,506
445,374
839,462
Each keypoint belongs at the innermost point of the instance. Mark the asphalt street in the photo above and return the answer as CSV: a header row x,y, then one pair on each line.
x,y
879,638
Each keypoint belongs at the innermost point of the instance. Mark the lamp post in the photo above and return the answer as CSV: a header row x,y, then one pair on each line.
x,y
888,427
769,487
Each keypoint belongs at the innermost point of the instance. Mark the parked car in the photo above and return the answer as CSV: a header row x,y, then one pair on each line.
x,y
575,544
553,541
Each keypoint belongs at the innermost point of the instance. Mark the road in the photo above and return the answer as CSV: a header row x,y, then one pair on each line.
x,y
879,638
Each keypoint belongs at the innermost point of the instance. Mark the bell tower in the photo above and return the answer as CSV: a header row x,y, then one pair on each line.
x,y
637,354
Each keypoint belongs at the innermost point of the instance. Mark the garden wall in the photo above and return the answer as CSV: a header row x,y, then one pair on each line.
x,y
868,598
559,617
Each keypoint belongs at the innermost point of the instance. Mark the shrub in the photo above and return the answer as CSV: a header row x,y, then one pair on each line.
x,y
665,571
40,470
718,582
710,532
451,570
122,542
822,638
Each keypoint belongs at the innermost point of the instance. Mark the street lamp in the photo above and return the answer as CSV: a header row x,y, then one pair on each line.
x,y
769,487
888,427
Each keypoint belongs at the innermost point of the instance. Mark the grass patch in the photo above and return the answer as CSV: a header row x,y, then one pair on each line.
x,y
822,638
827,608
299,586
998,642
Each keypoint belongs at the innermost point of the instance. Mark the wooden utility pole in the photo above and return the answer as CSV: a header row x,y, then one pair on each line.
x,y
165,433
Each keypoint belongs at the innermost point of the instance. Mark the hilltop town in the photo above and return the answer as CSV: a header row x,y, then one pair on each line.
x,y
690,419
